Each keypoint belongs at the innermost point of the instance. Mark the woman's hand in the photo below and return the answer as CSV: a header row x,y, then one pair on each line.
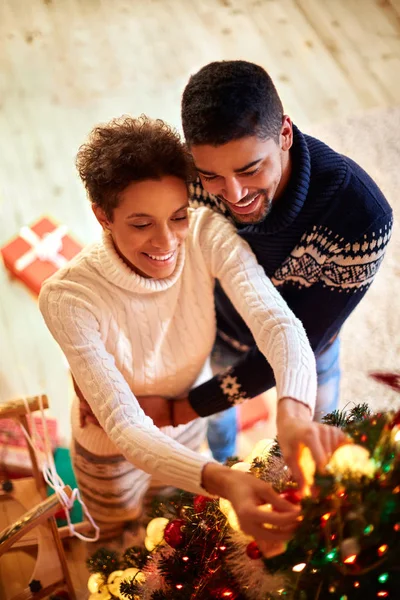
x,y
246,494
296,429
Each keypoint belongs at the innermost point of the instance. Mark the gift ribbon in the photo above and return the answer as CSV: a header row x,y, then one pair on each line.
x,y
46,248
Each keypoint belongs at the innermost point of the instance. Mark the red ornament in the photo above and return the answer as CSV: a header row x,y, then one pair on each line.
x,y
173,533
200,503
291,495
253,551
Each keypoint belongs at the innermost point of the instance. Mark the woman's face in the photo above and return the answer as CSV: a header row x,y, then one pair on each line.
x,y
149,225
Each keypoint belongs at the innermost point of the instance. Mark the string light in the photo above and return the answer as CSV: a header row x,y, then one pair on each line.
x,y
330,557
179,586
383,594
350,559
369,529
383,578
326,517
382,549
298,568
356,584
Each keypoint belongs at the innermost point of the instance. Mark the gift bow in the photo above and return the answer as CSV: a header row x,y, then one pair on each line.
x,y
46,248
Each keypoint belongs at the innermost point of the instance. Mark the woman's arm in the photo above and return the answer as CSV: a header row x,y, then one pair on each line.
x,y
73,322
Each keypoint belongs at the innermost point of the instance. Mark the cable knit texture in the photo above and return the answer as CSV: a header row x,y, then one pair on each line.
x,y
125,335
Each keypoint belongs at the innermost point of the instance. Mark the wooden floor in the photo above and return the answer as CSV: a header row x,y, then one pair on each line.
x,y
67,64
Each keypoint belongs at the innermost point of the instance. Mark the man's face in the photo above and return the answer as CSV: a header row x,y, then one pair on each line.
x,y
245,174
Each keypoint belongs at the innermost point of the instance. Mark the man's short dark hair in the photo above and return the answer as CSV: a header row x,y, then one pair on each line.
x,y
229,100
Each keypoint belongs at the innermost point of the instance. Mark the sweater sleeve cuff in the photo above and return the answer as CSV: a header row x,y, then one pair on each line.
x,y
251,376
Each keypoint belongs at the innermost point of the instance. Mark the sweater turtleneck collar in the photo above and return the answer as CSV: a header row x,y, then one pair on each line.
x,y
288,206
115,270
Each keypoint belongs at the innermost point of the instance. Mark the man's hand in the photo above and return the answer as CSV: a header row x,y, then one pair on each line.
x,y
295,429
246,494
157,408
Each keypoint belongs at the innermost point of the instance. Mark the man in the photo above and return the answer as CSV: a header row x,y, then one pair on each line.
x,y
316,221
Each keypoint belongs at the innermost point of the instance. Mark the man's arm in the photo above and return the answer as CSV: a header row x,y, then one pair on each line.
x,y
322,309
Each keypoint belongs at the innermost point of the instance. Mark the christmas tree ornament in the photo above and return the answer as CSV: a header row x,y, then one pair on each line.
x,y
114,581
244,467
133,574
253,551
155,532
292,495
351,460
95,582
174,533
261,450
102,594
200,503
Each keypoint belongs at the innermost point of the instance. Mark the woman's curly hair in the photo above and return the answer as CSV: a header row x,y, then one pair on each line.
x,y
127,150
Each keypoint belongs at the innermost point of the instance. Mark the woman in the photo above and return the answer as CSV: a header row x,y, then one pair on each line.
x,y
134,315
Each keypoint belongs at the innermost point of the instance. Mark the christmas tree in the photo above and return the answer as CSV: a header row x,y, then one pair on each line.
x,y
347,545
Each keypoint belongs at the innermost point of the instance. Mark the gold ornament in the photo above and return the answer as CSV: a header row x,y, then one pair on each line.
x,y
351,459
260,450
241,466
155,533
95,582
133,573
114,581
102,594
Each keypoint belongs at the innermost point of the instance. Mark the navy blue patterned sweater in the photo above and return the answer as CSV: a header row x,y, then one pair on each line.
x,y
321,244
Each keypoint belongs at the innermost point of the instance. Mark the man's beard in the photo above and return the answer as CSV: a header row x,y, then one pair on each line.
x,y
252,218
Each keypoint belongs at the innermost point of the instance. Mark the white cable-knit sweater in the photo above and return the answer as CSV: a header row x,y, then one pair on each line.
x,y
124,335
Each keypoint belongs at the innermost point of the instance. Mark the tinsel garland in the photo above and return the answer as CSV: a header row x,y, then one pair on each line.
x,y
347,546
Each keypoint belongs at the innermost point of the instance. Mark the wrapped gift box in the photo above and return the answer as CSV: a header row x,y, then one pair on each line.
x,y
14,455
38,252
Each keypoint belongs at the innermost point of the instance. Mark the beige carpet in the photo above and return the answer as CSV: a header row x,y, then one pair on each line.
x,y
371,336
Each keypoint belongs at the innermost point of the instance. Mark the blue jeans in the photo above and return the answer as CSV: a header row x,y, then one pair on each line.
x,y
222,427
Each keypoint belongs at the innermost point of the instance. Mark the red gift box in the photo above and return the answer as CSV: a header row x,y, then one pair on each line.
x,y
38,252
14,455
